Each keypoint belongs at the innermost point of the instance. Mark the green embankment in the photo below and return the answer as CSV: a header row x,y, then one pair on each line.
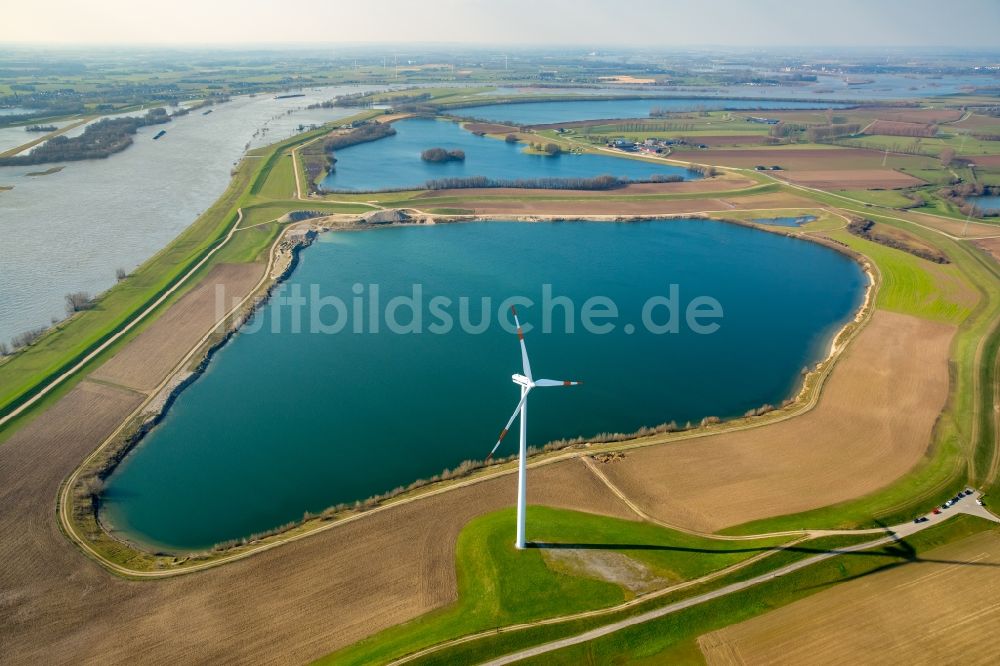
x,y
913,285
499,585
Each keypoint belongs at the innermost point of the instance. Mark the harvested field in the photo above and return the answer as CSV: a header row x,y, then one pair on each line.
x,y
854,179
144,362
920,116
87,414
898,128
954,227
983,160
991,245
728,139
941,609
588,123
866,115
980,123
787,157
872,425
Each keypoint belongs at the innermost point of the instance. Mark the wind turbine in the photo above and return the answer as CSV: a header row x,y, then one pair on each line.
x,y
526,382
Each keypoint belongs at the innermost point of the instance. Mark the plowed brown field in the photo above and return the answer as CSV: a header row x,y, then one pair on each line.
x,y
852,179
942,609
144,362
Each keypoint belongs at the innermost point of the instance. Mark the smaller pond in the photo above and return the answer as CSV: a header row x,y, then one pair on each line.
x,y
785,221
986,201
395,163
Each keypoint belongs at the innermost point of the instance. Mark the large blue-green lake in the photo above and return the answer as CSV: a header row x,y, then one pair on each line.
x,y
538,113
285,421
394,162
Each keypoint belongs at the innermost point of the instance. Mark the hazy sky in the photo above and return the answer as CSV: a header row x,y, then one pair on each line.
x,y
666,23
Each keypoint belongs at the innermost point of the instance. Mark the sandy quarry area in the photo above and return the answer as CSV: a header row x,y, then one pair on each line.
x,y
951,598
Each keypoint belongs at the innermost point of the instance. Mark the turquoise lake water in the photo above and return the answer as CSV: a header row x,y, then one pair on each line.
x,y
537,113
283,421
394,162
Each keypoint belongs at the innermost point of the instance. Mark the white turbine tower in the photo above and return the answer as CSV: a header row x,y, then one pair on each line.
x,y
526,382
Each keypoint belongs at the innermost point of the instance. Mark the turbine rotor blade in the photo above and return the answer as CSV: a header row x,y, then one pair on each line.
x,y
524,350
506,428
555,382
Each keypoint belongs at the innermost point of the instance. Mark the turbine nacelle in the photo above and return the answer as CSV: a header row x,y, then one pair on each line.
x,y
521,380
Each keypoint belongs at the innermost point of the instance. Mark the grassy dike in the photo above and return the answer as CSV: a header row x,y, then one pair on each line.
x,y
26,373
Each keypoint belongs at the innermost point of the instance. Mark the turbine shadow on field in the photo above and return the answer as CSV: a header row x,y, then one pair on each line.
x,y
901,551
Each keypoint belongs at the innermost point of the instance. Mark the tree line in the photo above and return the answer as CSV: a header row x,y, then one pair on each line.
x,y
99,140
442,155
605,182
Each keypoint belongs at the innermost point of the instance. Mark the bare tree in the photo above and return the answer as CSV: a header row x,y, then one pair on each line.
x,y
78,300
28,337
947,156
4,349
121,274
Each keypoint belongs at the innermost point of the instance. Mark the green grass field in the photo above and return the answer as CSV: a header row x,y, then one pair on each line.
x,y
965,145
280,181
913,285
888,198
499,585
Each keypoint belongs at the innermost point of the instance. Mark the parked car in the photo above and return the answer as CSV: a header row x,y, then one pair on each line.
x,y
980,502
937,511
921,519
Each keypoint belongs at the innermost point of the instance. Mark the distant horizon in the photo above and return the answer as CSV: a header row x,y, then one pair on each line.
x,y
587,24
602,49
